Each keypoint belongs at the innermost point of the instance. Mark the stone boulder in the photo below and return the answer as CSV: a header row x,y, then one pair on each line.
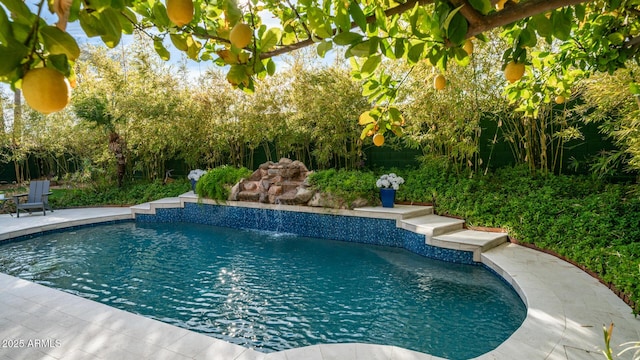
x,y
284,182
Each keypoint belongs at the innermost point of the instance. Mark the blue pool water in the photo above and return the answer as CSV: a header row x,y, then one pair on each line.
x,y
273,291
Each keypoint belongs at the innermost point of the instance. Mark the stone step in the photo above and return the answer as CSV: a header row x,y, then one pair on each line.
x,y
150,207
397,212
469,240
431,225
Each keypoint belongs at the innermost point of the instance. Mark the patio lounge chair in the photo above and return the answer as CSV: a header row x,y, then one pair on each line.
x,y
37,198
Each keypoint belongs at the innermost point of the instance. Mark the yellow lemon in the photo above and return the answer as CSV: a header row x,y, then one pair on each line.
x,y
46,90
513,71
240,35
500,4
439,82
560,99
180,12
378,139
468,47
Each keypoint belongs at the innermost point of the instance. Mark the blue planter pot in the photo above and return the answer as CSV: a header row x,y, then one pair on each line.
x,y
193,185
388,197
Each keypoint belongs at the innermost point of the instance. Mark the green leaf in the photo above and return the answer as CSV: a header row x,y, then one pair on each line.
x,y
11,55
461,56
370,87
5,27
395,114
483,6
580,11
324,47
271,67
116,4
317,23
561,25
19,9
450,16
457,28
482,38
347,38
370,66
237,75
365,118
542,25
270,39
99,5
416,52
231,10
364,49
113,30
259,69
57,41
179,41
616,38
342,19
158,46
400,48
381,18
634,88
142,8
357,15
127,19
193,48
160,14
60,63
366,129
91,25
393,26
527,37
386,49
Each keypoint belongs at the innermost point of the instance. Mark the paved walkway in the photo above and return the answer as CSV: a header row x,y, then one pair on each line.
x,y
566,311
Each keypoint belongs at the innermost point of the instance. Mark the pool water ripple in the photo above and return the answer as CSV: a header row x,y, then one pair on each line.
x,y
272,291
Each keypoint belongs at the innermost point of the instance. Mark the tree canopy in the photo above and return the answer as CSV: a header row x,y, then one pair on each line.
x,y
599,35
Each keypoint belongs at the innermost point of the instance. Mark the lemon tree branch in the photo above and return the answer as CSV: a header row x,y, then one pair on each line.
x,y
478,23
514,12
371,18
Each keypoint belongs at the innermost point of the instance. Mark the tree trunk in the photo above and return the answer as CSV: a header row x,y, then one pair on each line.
x,y
17,109
16,132
2,128
116,147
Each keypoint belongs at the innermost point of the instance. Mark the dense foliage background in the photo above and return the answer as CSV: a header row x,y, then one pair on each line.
x,y
129,108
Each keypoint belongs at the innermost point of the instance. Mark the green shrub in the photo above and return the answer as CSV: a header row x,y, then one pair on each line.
x,y
216,183
346,185
130,194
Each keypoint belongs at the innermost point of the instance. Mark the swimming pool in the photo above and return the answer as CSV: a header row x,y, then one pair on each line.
x,y
273,291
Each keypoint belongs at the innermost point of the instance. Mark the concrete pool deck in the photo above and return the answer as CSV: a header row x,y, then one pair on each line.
x,y
566,310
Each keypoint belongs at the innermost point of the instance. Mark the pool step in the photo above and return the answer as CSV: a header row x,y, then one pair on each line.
x,y
431,225
398,212
469,240
150,207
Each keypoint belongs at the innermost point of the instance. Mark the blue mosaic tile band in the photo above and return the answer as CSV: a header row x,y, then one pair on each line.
x,y
325,226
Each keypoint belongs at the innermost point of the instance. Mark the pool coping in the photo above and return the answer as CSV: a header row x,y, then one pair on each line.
x,y
566,308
